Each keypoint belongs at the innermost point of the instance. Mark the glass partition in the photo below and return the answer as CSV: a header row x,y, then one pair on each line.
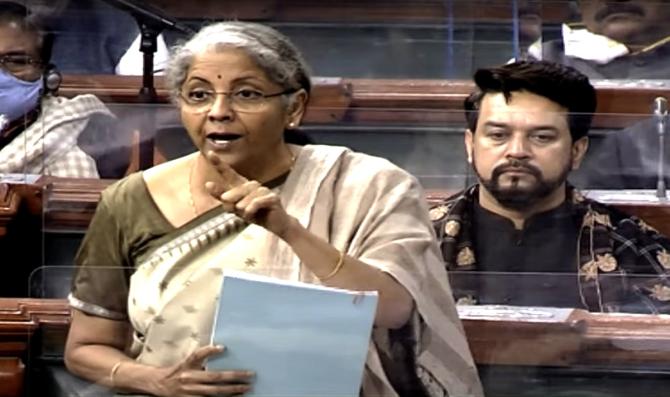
x,y
388,39
362,39
525,336
390,78
613,41
529,340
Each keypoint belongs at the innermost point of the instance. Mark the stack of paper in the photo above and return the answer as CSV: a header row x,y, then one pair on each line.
x,y
300,339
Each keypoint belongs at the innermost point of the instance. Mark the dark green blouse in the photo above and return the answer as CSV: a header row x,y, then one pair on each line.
x,y
126,228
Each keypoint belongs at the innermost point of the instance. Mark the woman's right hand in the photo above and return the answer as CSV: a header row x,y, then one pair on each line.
x,y
189,378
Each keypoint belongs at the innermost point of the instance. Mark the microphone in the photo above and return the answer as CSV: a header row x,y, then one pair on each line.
x,y
661,115
149,14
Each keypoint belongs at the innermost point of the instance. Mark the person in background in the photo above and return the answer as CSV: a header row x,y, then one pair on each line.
x,y
39,131
248,200
94,37
527,130
629,158
614,40
620,40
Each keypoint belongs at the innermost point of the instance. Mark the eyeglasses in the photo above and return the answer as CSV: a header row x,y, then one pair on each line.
x,y
199,100
22,66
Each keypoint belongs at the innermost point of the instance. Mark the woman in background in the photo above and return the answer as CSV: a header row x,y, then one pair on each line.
x,y
39,132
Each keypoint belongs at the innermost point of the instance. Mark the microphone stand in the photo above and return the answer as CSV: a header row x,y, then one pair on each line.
x,y
661,114
151,22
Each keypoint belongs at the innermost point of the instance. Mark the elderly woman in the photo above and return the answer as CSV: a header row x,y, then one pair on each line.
x,y
248,200
39,133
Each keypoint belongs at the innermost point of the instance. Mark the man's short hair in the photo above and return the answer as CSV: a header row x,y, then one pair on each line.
x,y
561,84
12,12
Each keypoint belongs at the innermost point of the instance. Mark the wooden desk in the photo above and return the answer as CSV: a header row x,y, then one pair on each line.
x,y
576,339
22,321
581,339
507,336
387,101
72,202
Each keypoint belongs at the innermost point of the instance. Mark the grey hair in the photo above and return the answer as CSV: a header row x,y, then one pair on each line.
x,y
272,51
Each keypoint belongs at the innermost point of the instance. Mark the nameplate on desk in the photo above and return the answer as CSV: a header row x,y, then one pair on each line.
x,y
641,196
18,179
513,313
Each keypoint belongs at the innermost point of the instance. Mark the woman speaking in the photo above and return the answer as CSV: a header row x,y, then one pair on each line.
x,y
150,266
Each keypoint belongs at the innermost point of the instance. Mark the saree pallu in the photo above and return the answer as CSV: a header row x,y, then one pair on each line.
x,y
360,204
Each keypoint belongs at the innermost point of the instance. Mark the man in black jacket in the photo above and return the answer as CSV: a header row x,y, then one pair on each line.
x,y
527,130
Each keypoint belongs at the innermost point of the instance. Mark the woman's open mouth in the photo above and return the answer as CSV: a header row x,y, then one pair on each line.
x,y
222,140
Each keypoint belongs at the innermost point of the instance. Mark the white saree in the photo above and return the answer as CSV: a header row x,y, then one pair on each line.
x,y
362,205
49,145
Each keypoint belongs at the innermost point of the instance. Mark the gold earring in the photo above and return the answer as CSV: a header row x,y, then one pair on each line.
x,y
291,125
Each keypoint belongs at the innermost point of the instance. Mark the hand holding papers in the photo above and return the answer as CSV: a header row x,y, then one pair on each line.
x,y
300,339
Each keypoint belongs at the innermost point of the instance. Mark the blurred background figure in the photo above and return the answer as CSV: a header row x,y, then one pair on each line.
x,y
39,131
94,37
614,40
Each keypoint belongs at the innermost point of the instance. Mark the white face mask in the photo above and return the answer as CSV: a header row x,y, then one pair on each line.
x,y
17,97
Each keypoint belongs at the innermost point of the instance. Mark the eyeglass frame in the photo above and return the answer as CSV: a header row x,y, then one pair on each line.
x,y
231,103
36,65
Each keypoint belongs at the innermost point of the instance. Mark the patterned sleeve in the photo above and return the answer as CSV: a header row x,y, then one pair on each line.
x,y
73,164
645,255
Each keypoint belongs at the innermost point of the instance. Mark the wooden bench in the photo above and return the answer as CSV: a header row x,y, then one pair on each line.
x,y
503,338
70,203
391,101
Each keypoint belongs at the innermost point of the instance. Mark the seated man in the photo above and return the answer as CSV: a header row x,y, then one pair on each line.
x,y
615,40
94,37
629,158
527,129
39,132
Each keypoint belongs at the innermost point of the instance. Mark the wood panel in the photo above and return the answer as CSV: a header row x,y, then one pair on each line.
x,y
330,96
72,202
11,376
15,197
20,320
9,206
390,101
581,339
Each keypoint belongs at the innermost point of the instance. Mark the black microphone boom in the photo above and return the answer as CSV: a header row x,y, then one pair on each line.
x,y
661,116
151,22
150,14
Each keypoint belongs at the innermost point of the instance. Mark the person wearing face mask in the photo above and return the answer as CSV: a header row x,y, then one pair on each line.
x,y
39,132
614,40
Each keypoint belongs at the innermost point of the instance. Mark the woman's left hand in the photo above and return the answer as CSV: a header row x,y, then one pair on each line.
x,y
249,200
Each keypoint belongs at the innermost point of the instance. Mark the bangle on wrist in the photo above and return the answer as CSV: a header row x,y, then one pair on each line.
x,y
113,372
336,269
